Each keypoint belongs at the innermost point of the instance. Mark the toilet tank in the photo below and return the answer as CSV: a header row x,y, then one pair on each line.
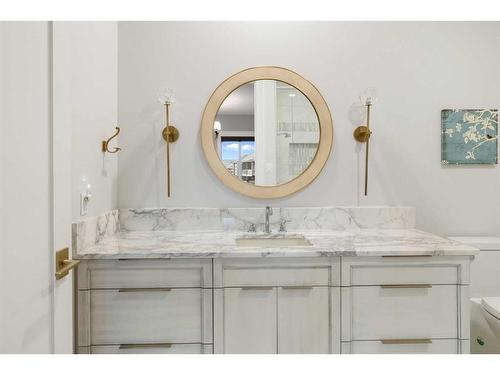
x,y
485,269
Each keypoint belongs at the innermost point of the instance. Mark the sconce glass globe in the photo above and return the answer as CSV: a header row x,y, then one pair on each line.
x,y
357,114
167,96
368,96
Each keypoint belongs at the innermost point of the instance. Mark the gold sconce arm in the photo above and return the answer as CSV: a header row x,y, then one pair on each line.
x,y
170,134
105,143
362,134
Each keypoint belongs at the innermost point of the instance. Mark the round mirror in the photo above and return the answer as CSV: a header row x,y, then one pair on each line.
x,y
266,132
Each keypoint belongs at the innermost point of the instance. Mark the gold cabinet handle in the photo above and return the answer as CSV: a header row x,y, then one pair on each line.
x,y
406,286
405,341
257,288
133,290
64,264
297,287
145,346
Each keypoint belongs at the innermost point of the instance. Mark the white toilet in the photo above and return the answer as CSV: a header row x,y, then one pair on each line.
x,y
485,325
485,281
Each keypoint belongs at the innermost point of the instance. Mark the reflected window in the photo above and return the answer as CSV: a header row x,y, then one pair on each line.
x,y
238,156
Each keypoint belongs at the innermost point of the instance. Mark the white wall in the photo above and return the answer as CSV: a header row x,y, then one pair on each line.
x,y
91,70
25,241
418,69
85,92
236,123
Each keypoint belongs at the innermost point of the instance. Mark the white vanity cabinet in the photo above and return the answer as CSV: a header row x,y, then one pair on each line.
x,y
405,304
277,305
145,306
361,304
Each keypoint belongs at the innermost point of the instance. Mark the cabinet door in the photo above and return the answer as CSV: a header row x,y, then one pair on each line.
x,y
304,320
249,321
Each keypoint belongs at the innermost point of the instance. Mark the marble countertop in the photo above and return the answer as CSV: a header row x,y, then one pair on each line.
x,y
484,243
213,244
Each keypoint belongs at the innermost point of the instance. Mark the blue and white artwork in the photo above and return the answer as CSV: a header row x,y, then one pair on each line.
x,y
469,136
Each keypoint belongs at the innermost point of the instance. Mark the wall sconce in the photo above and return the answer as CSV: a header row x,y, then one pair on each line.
x,y
170,133
363,133
105,143
217,128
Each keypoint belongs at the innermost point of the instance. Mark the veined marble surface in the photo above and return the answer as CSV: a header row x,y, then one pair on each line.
x,y
289,218
212,244
92,230
211,232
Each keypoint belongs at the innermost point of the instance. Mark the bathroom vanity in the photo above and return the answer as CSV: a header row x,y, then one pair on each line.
x,y
339,280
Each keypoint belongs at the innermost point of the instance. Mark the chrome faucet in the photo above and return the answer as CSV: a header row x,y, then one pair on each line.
x,y
269,211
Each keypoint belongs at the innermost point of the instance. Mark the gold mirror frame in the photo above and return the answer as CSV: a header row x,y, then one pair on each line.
x,y
277,74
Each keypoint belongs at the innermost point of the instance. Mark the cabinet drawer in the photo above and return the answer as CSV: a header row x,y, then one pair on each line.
x,y
404,270
409,347
144,316
276,272
147,349
143,273
398,312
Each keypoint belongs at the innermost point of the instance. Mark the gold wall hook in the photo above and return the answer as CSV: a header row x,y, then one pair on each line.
x,y
362,134
170,134
105,144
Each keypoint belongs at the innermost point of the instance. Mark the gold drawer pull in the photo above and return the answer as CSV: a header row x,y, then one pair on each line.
x,y
406,286
145,346
407,256
405,341
257,288
298,287
131,290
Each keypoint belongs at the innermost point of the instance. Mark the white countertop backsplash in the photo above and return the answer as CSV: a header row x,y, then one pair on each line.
x,y
240,219
211,232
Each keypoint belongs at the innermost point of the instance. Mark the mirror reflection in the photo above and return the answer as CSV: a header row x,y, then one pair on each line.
x,y
266,132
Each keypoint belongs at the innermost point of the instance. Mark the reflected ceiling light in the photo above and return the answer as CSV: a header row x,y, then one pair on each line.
x,y
217,128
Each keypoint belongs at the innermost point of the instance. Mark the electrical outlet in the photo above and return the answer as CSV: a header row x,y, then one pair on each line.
x,y
84,200
83,204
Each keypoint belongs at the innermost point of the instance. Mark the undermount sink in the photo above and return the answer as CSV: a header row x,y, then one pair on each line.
x,y
272,241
